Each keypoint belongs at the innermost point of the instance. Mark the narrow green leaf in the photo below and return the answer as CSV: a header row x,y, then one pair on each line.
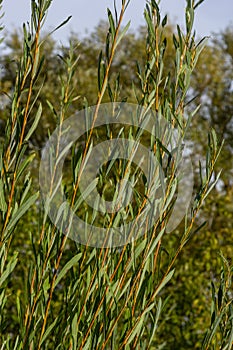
x,y
137,329
74,331
150,24
86,193
67,267
101,71
49,330
189,19
3,205
61,25
24,165
164,282
22,210
122,33
112,24
155,324
155,243
198,4
164,21
213,330
35,123
9,268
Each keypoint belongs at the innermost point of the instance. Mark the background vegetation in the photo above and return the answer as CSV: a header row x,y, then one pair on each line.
x,y
57,294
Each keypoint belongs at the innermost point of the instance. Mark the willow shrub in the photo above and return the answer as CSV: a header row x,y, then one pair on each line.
x,y
74,296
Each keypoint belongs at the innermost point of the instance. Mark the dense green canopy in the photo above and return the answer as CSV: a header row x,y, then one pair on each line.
x,y
110,295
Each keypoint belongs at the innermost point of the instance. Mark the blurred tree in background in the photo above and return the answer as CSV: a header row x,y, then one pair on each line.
x,y
189,296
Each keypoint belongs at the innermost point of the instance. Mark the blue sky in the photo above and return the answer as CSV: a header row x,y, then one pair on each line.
x,y
212,15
